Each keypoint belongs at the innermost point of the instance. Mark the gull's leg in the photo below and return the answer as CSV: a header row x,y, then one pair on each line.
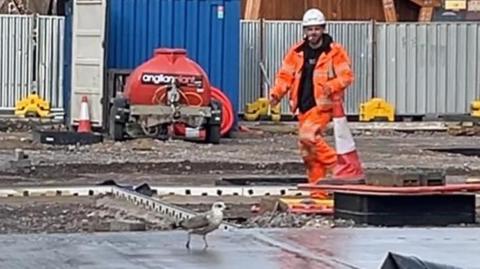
x,y
205,241
188,241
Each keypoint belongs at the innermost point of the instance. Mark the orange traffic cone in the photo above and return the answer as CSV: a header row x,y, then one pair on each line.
x,y
348,167
84,125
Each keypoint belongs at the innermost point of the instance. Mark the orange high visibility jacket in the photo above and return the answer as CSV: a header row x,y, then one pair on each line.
x,y
332,70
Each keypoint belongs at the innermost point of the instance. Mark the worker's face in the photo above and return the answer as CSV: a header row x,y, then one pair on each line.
x,y
314,33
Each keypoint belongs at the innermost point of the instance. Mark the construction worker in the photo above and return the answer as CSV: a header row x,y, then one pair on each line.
x,y
315,72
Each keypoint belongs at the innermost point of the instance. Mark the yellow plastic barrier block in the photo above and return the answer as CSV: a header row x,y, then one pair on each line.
x,y
475,107
376,109
259,110
32,106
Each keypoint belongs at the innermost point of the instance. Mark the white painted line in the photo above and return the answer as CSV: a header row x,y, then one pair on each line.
x,y
248,191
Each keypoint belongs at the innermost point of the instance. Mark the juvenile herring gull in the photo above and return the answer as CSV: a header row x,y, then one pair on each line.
x,y
204,223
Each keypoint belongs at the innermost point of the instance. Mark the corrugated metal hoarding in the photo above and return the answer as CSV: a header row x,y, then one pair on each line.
x,y
22,71
356,37
208,29
278,37
50,60
428,68
16,59
250,57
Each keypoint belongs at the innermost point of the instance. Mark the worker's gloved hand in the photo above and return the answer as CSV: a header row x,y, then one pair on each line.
x,y
328,90
274,100
338,97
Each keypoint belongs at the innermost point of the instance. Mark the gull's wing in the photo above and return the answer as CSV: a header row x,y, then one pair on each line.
x,y
196,222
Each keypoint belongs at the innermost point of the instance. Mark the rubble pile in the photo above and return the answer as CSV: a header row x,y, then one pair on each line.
x,y
289,220
63,216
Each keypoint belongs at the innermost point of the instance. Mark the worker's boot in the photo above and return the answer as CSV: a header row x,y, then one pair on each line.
x,y
319,178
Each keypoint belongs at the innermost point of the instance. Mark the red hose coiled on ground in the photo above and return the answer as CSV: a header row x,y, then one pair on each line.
x,y
228,118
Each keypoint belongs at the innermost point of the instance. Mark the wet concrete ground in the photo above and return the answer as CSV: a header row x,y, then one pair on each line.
x,y
337,248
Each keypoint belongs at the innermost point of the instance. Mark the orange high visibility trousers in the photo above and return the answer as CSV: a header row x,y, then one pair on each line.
x,y
317,155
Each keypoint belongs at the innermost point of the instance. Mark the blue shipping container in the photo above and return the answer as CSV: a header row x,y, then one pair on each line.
x,y
208,29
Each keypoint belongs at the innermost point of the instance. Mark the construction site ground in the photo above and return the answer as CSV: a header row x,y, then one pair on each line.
x,y
29,215
268,150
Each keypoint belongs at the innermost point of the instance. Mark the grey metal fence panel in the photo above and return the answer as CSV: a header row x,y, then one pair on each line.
x,y
250,57
50,60
356,37
16,59
428,68
22,70
278,37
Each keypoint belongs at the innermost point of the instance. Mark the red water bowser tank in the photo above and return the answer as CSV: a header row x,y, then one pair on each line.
x,y
146,85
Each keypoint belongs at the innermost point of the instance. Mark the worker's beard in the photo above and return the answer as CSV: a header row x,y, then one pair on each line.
x,y
315,41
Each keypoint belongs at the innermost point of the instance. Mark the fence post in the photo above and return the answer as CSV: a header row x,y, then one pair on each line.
x,y
373,57
262,58
35,49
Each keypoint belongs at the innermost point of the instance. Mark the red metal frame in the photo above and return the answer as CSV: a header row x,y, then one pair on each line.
x,y
310,209
449,188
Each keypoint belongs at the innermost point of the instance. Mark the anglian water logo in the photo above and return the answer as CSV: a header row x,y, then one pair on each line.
x,y
159,79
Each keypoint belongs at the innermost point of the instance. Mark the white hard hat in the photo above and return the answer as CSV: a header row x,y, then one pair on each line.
x,y
313,17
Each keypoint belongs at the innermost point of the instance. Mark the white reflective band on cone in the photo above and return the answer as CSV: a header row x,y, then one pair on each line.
x,y
343,137
84,115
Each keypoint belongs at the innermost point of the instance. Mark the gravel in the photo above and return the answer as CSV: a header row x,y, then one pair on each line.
x,y
289,220
158,162
104,214
73,215
111,215
266,154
